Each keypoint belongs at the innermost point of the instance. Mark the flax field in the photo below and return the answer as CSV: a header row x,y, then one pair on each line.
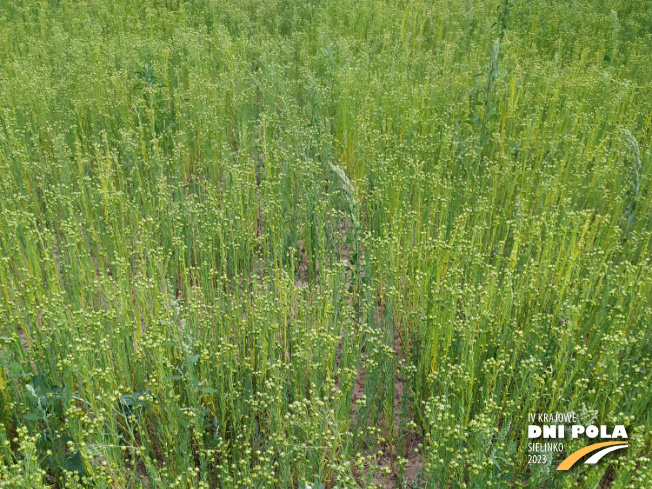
x,y
322,244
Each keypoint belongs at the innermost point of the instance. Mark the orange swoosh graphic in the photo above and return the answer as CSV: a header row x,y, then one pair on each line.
x,y
575,456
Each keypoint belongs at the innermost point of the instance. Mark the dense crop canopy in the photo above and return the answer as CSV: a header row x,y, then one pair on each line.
x,y
345,243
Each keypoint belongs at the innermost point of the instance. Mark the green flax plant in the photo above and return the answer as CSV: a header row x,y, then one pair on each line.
x,y
342,244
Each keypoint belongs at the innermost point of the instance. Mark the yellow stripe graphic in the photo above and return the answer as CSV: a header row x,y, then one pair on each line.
x,y
575,456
